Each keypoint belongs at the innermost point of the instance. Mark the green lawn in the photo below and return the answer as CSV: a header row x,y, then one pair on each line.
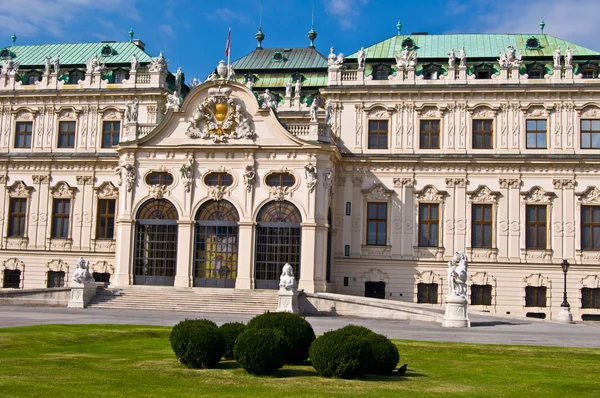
x,y
115,360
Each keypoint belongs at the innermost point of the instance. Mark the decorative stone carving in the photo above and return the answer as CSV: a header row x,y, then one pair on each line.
x,y
483,112
19,190
107,191
430,113
159,64
328,179
82,272
83,286
310,172
217,192
131,113
278,193
511,58
94,65
590,111
539,280
187,174
456,182
537,111
430,194
249,177
406,58
457,275
219,118
378,192
268,100
62,190
590,281
514,183
127,174
335,62
483,195
357,181
174,102
537,195
157,191
590,196
83,180
288,291
559,183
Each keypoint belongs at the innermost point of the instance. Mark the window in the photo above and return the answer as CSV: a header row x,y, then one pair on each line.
x,y
56,279
533,44
159,178
23,135
17,216
427,293
218,179
376,224
119,77
380,72
280,180
110,134
483,74
378,134
590,134
60,218
535,296
31,79
481,294
481,225
11,279
75,77
66,135
430,134
105,228
590,297
535,235
432,72
536,134
589,72
483,134
103,277
375,289
590,227
429,220
535,71
106,51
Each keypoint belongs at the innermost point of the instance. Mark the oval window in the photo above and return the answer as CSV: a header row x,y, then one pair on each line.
x,y
218,179
533,43
106,50
159,178
280,180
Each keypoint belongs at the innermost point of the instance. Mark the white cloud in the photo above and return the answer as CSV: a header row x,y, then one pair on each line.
x,y
31,17
346,11
228,15
167,29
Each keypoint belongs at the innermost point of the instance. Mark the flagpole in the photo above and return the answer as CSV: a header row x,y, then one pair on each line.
x,y
229,48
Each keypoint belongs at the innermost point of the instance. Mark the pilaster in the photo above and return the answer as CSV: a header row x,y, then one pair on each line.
x,y
185,239
123,252
245,270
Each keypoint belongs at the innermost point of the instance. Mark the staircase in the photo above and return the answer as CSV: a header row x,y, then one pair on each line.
x,y
188,300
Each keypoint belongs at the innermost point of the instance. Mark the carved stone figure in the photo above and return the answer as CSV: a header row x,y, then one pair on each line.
x,y
127,174
131,113
212,76
311,177
288,89
159,64
314,109
287,280
56,63
94,65
557,57
174,101
10,67
462,56
568,57
328,111
457,275
298,88
179,77
268,100
510,58
335,62
406,58
187,174
362,58
82,272
47,65
195,83
331,58
451,59
249,177
135,63
230,73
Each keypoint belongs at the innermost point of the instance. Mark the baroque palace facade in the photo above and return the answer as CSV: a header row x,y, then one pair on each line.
x,y
366,173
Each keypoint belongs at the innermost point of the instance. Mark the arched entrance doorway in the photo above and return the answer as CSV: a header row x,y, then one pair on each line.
x,y
278,241
155,256
216,245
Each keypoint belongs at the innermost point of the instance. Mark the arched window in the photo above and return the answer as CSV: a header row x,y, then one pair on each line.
x,y
278,241
216,245
380,72
155,256
75,77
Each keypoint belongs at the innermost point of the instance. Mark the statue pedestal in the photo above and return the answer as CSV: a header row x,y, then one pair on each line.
x,y
456,313
81,294
565,315
288,301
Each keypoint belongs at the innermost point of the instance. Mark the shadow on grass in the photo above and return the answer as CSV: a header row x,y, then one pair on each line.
x,y
394,377
284,373
228,365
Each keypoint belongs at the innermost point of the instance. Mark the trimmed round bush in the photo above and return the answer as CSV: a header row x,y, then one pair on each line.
x,y
356,330
260,351
197,343
342,355
297,333
385,353
230,332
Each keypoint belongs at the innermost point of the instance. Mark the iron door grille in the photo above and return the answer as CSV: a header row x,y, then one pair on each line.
x,y
156,248
277,244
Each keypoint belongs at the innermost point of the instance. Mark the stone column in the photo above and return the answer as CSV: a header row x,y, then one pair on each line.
x,y
449,221
125,241
514,217
357,206
409,221
503,221
245,269
557,219
185,239
307,257
460,206
568,220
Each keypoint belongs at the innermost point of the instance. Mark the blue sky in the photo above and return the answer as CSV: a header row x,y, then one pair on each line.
x,y
193,33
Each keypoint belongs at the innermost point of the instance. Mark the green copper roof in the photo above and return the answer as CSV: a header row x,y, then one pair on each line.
x,y
476,45
293,58
273,80
77,53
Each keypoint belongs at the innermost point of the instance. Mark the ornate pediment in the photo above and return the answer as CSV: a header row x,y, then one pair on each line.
x,y
19,190
537,280
63,190
220,118
537,111
537,195
483,112
591,195
430,194
379,112
378,192
430,112
483,195
24,114
590,111
107,191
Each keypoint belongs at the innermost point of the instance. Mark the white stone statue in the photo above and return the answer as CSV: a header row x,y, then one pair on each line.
x,y
187,174
568,57
331,58
131,113
314,109
287,280
10,67
511,58
406,58
457,275
230,73
135,63
195,83
340,59
451,59
179,76
159,64
47,65
173,102
249,177
288,89
557,57
94,65
298,88
328,111
82,272
56,63
268,100
212,76
127,174
311,176
362,58
462,56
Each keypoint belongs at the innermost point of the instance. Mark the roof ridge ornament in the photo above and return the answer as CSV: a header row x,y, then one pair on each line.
x,y
542,25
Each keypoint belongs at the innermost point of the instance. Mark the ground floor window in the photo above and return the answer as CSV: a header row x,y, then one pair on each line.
x,y
427,293
56,279
11,279
102,277
535,296
590,297
481,294
375,289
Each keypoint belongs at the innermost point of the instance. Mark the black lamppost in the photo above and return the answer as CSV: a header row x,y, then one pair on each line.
x,y
565,268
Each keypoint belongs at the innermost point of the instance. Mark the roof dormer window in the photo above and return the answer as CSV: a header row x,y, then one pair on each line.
x,y
278,57
106,51
533,44
408,42
5,53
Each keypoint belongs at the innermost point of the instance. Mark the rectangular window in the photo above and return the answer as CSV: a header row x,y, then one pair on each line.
x,y
61,211
106,219
590,227
590,297
103,277
590,134
66,135
481,294
429,136
427,293
535,234
378,134
483,134
56,279
17,215
110,134
23,135
429,224
481,225
11,279
536,134
535,296
376,224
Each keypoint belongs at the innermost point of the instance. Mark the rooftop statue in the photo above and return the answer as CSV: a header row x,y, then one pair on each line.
x,y
451,59
159,64
462,56
362,58
173,102
47,65
298,88
179,76
569,57
94,65
511,58
406,58
328,111
268,100
557,57
135,63
288,89
56,65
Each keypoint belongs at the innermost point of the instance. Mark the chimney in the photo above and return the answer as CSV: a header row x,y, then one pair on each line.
x,y
139,43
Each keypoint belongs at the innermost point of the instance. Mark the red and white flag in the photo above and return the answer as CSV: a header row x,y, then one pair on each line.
x,y
227,47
